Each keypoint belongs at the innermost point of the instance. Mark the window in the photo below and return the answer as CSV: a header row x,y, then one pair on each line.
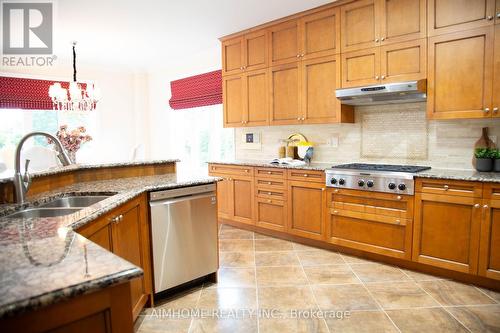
x,y
197,136
15,123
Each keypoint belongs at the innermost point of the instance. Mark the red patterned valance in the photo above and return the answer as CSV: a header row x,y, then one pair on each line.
x,y
30,94
195,91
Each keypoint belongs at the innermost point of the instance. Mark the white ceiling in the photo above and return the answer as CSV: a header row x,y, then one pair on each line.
x,y
154,34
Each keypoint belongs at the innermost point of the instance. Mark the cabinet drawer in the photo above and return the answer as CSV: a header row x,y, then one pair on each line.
x,y
491,191
272,183
230,169
307,175
270,173
271,193
449,187
271,214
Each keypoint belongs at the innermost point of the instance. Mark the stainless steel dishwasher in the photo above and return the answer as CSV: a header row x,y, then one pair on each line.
x,y
184,235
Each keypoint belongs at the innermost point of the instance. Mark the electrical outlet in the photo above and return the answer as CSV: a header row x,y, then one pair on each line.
x,y
333,141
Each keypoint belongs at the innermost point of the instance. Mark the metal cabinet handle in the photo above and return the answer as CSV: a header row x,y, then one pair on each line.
x,y
490,17
476,206
269,201
335,191
399,197
302,55
246,170
498,15
376,77
269,183
382,39
398,221
322,189
485,207
269,172
298,118
383,77
446,187
376,40
298,55
486,110
306,175
335,212
495,110
269,193
303,118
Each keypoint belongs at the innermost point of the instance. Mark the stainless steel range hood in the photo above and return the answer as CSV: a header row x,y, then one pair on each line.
x,y
391,93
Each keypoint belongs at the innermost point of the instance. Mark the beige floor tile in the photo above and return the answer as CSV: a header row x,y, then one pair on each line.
x,y
319,257
284,299
261,236
493,294
272,245
478,318
224,325
355,260
418,276
281,275
183,300
362,322
280,258
236,259
303,247
235,234
235,245
347,297
330,274
227,227
454,293
425,320
400,295
228,298
235,277
292,325
164,325
378,273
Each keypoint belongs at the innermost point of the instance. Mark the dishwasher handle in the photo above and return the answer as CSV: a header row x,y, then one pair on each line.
x,y
184,198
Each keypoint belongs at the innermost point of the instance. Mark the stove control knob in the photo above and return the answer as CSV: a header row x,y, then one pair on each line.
x,y
361,183
392,186
402,187
369,183
341,181
333,181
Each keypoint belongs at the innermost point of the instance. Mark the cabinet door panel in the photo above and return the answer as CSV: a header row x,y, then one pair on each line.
x,y
496,72
284,43
306,209
361,68
360,27
232,56
460,74
404,61
102,237
233,100
255,50
256,98
321,34
285,93
489,256
402,20
446,232
320,79
242,199
223,197
271,214
447,16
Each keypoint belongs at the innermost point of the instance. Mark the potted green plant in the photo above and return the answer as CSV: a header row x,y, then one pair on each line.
x,y
484,161
495,154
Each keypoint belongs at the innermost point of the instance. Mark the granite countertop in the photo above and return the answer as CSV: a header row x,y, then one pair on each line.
x,y
454,174
75,167
43,260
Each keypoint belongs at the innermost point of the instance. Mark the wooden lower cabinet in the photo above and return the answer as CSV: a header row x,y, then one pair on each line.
x,y
242,199
270,214
306,209
373,222
489,254
446,232
224,197
125,232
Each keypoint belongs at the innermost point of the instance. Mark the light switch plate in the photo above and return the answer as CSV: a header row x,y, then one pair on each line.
x,y
251,140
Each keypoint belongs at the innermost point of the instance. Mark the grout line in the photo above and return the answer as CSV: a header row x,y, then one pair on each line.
x,y
256,284
479,289
196,306
371,295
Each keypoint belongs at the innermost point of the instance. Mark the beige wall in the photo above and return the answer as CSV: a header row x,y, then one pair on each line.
x,y
381,134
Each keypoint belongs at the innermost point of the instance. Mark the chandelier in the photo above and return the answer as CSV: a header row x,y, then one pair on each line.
x,y
78,97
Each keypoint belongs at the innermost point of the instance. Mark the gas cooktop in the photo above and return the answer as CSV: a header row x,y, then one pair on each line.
x,y
382,167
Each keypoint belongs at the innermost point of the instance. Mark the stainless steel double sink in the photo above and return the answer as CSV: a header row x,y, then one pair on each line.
x,y
60,207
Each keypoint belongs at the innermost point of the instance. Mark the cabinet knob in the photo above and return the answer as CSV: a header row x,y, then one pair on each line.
x,y
336,191
302,55
269,193
335,212
490,17
298,118
495,110
269,183
486,110
382,39
246,170
376,40
498,15
303,118
269,201
322,189
383,77
306,175
446,187
376,77
476,206
399,197
241,67
485,206
269,172
298,55
398,221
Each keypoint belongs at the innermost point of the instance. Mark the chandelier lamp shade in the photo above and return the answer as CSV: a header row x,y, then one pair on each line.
x,y
78,97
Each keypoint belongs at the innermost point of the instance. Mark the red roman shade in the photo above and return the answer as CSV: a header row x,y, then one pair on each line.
x,y
29,94
199,90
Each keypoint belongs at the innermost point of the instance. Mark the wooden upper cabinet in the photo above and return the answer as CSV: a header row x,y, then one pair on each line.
x,y
232,56
460,75
445,16
402,20
285,94
404,61
361,68
320,78
256,98
233,100
284,43
446,231
359,25
496,74
255,50
320,34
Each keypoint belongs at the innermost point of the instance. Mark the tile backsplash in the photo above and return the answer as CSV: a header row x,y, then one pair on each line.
x,y
397,133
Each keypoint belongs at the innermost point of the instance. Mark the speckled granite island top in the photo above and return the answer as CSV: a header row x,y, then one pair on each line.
x,y
43,261
452,174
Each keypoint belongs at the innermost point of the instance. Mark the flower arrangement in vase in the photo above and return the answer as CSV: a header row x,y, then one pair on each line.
x,y
72,140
